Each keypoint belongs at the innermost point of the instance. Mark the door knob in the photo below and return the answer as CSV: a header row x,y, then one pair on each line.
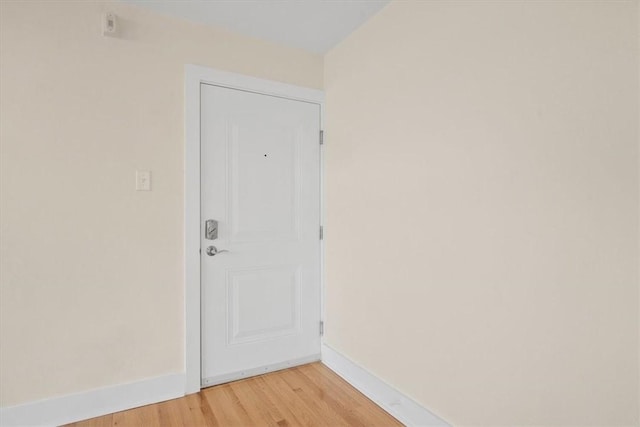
x,y
213,251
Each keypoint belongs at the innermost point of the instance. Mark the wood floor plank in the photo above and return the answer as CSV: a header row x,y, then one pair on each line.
x,y
274,403
327,378
219,403
201,411
307,396
137,417
258,411
106,421
321,380
307,413
223,400
298,414
171,413
320,396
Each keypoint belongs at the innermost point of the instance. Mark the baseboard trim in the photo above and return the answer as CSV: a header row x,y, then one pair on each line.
x,y
397,404
94,403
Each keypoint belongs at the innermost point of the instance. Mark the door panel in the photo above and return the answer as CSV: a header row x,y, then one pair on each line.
x,y
264,177
265,303
260,179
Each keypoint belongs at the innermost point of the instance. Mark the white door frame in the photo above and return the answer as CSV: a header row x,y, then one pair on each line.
x,y
194,77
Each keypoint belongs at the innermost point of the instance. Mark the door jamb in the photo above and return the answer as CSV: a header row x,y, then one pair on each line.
x,y
194,77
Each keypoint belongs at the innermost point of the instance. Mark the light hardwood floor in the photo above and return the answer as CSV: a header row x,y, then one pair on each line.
x,y
309,395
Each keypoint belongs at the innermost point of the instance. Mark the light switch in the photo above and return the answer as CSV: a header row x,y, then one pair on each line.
x,y
109,24
143,180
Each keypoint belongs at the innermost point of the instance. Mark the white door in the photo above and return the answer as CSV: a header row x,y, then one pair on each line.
x,y
260,180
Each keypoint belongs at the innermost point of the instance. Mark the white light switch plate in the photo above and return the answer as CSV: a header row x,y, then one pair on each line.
x,y
143,181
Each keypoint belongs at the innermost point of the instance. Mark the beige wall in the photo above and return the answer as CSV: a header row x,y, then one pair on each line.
x,y
92,271
482,192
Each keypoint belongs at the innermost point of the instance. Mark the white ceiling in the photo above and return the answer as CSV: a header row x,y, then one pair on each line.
x,y
313,25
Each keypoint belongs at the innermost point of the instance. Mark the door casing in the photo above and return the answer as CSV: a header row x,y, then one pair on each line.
x,y
194,77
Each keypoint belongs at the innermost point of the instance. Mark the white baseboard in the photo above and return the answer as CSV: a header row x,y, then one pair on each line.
x,y
400,406
93,403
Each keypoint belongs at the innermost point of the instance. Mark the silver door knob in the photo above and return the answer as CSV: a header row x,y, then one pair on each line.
x,y
213,251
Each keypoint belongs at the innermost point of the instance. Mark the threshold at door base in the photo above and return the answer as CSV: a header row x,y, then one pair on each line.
x,y
234,376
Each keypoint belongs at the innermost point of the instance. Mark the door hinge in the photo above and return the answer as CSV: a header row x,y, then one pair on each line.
x,y
321,328
321,232
321,137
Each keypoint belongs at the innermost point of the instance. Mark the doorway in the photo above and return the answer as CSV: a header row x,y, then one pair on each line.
x,y
259,226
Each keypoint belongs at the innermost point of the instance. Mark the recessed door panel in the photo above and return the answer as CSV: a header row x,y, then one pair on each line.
x,y
264,169
264,303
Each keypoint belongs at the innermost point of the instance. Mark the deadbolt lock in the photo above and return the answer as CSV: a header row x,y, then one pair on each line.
x,y
211,229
